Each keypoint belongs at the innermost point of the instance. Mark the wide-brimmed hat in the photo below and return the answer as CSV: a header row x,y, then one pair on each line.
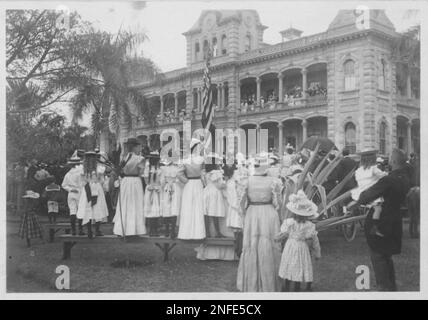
x,y
289,146
165,161
367,152
300,205
194,142
75,159
132,141
30,194
90,153
379,160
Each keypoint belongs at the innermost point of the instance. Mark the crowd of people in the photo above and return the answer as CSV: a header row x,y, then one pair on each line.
x,y
248,101
203,197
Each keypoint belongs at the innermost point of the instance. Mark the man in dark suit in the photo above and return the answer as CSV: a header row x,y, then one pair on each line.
x,y
346,165
393,188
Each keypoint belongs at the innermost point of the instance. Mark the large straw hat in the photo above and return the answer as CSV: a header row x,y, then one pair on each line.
x,y
300,204
131,141
30,194
194,142
75,159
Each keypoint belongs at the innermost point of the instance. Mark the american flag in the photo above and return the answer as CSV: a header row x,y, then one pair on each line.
x,y
207,96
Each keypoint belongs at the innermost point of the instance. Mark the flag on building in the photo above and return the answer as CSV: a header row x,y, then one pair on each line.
x,y
207,99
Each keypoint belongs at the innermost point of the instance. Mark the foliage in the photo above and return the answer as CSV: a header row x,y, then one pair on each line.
x,y
107,93
41,63
45,137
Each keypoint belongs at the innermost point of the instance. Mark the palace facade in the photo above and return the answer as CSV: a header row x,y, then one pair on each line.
x,y
341,83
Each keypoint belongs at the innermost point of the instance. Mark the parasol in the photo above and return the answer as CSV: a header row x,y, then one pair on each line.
x,y
325,144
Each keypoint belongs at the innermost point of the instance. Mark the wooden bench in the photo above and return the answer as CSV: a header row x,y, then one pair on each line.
x,y
163,243
53,228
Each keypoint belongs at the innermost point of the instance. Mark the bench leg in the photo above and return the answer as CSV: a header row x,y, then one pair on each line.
x,y
66,249
51,235
167,248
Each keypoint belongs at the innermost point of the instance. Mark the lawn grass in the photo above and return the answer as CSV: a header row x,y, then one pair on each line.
x,y
33,269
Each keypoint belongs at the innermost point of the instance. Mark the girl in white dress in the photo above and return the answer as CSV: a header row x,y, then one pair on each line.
x,y
92,206
170,196
214,202
191,174
296,264
129,217
152,206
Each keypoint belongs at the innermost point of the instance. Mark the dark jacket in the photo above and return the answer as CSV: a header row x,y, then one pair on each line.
x,y
343,168
393,188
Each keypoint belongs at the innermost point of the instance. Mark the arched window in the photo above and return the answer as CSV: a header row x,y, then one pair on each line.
x,y
382,75
382,138
206,48
247,43
197,50
350,137
223,44
215,48
349,71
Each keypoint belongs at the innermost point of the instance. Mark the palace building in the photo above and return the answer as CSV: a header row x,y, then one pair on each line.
x,y
341,83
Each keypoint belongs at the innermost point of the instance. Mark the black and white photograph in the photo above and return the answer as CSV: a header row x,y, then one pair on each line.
x,y
194,147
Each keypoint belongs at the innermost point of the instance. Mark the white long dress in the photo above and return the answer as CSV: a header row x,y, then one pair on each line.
x,y
296,264
86,211
233,217
171,191
214,201
152,206
261,254
192,220
129,217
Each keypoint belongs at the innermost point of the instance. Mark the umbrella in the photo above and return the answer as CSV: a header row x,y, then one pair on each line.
x,y
325,144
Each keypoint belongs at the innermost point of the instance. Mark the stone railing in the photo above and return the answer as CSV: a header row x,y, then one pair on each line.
x,y
408,102
290,104
292,44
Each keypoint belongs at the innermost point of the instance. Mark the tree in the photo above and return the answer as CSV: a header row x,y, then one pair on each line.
x,y
41,63
106,93
45,137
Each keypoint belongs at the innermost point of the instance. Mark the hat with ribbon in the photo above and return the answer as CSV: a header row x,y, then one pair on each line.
x,y
132,141
30,194
300,205
75,159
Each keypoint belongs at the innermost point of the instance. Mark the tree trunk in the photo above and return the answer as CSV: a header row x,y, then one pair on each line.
x,y
104,141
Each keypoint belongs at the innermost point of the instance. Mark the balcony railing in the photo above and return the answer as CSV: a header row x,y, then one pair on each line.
x,y
290,104
408,102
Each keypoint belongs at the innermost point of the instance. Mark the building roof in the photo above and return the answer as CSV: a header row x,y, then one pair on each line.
x,y
291,31
223,16
350,20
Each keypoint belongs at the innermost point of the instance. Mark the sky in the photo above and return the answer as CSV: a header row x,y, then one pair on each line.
x,y
165,21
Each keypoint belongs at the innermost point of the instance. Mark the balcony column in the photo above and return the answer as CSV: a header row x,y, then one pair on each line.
x,y
219,95
161,107
304,82
409,86
409,137
258,139
280,94
198,105
305,130
176,105
280,138
223,98
258,82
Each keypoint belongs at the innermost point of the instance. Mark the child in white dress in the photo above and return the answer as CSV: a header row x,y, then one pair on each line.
x,y
214,203
296,264
152,209
366,176
170,196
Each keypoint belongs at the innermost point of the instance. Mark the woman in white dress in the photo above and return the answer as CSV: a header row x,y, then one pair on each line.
x,y
170,196
152,206
92,206
191,174
261,254
129,217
